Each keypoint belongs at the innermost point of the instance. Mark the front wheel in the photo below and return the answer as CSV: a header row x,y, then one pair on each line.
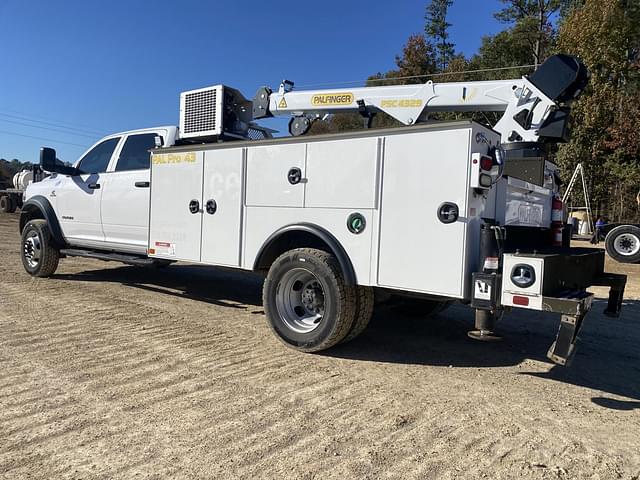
x,y
307,303
39,255
623,244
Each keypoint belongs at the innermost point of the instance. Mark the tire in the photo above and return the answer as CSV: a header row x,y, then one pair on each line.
x,y
39,257
364,311
306,301
623,244
5,204
419,307
14,203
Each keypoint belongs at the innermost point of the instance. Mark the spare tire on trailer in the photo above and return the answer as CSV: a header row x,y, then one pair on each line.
x,y
623,243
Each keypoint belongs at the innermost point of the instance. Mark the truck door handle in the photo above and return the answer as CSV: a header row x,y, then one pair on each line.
x,y
142,184
211,206
93,186
448,212
194,206
294,176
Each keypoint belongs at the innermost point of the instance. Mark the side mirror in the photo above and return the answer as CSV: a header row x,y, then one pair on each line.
x,y
49,162
48,159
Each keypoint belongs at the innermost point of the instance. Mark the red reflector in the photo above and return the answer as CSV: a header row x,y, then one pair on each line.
x,y
518,300
152,251
486,163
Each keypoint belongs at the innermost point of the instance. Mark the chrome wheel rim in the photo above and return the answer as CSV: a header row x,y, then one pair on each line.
x,y
627,244
32,249
300,300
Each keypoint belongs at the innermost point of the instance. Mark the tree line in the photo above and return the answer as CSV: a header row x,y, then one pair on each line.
x,y
604,34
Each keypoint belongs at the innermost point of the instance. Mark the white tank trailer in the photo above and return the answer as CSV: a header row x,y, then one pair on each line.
x,y
11,198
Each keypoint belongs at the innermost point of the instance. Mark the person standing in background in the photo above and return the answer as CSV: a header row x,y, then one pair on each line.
x,y
598,235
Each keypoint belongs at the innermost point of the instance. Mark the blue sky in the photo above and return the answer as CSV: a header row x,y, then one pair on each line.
x,y
102,67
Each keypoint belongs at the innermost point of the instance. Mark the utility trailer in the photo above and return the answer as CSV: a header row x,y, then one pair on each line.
x,y
11,197
439,212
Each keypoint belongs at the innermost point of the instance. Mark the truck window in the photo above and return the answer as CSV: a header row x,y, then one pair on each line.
x,y
97,159
135,153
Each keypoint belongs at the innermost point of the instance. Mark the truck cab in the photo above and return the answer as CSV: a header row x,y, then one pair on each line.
x,y
103,201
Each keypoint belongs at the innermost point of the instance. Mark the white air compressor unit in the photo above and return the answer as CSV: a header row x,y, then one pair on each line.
x,y
214,112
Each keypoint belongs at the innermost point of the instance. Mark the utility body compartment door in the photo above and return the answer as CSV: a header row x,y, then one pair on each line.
x,y
222,204
268,167
417,251
342,173
176,205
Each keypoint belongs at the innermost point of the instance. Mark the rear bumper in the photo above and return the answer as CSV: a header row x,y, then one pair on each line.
x,y
560,278
558,274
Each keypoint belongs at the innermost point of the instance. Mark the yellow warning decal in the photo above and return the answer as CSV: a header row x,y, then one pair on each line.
x,y
282,103
343,98
163,158
392,103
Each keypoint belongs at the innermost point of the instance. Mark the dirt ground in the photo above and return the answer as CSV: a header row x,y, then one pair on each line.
x,y
112,371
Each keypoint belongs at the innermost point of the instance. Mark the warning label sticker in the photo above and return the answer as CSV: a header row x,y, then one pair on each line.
x,y
165,248
282,103
482,290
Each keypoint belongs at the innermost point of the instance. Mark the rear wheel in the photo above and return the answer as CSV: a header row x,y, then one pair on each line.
x,y
307,303
623,244
39,256
364,311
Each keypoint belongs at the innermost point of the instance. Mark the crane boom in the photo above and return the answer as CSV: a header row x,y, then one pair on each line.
x,y
535,107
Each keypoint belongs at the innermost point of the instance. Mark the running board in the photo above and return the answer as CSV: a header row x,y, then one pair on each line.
x,y
109,257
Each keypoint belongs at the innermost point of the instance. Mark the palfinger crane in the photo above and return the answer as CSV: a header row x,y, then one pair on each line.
x,y
535,107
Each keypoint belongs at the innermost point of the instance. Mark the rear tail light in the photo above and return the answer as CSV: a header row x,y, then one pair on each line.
x,y
486,163
519,300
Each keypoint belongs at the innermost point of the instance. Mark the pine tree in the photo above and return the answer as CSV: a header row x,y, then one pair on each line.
x,y
436,30
532,20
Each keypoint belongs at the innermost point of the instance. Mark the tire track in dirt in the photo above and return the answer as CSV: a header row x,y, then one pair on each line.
x,y
111,372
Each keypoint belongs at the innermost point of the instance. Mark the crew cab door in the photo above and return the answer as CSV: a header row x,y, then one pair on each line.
x,y
125,199
78,196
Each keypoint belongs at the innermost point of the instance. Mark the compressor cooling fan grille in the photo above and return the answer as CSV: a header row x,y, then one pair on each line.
x,y
199,114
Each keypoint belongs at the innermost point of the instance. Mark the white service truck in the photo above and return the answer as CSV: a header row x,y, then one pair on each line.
x,y
433,211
